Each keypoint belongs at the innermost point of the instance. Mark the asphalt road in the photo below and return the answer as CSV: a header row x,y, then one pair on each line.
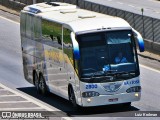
x,y
11,75
151,7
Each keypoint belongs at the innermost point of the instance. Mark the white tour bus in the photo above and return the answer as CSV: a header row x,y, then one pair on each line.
x,y
85,57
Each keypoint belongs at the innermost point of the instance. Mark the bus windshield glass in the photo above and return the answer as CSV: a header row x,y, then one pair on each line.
x,y
108,56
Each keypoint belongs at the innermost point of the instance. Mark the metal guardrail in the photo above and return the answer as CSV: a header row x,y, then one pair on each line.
x,y
149,27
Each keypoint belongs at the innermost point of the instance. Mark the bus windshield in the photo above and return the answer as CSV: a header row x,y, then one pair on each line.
x,y
108,56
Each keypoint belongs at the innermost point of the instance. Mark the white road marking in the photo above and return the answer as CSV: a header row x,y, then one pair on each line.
x,y
149,68
15,102
3,89
9,109
8,95
27,98
30,100
9,20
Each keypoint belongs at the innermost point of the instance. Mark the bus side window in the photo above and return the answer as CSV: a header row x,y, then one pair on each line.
x,y
37,28
29,26
23,24
51,34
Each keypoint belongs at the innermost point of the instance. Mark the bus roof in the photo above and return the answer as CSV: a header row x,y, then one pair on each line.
x,y
77,19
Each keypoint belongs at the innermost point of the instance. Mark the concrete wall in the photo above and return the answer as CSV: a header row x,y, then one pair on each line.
x,y
149,27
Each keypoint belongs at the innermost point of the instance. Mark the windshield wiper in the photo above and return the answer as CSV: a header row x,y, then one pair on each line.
x,y
124,72
106,73
113,75
90,69
97,72
109,74
110,71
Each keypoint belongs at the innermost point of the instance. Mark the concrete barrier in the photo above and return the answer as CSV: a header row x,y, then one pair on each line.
x,y
156,47
148,44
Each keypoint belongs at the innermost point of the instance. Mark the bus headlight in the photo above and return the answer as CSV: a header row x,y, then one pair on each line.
x,y
90,94
134,89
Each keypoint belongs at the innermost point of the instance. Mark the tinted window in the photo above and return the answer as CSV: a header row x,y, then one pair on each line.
x,y
91,40
118,37
37,28
51,34
105,51
23,25
29,26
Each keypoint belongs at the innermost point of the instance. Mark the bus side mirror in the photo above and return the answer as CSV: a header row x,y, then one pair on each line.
x,y
140,40
75,46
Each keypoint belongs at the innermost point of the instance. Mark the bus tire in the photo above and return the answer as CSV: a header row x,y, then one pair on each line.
x,y
36,82
43,86
72,99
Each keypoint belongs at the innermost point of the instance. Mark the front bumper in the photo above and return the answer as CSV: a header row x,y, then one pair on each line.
x,y
111,99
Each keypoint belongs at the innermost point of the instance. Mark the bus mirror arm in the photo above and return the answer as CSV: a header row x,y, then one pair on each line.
x,y
140,40
75,46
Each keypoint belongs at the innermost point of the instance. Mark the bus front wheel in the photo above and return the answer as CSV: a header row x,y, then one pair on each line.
x,y
72,98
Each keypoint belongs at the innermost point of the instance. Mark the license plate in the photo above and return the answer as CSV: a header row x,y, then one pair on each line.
x,y
113,100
